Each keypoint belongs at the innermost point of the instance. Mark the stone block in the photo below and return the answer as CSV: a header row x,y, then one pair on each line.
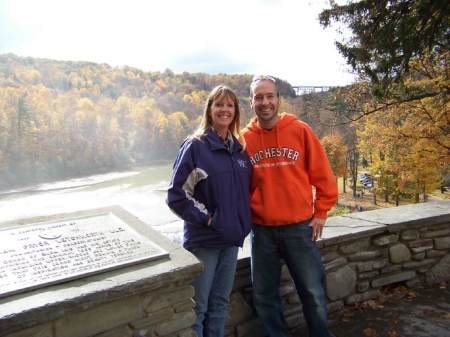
x,y
421,249
361,256
413,283
330,257
335,306
433,234
384,240
437,227
378,264
357,298
147,322
440,272
420,243
185,306
287,289
418,257
409,235
292,311
123,331
295,321
364,266
355,247
435,253
169,298
442,243
186,333
340,283
293,298
238,309
143,333
399,253
98,319
391,269
385,280
367,275
178,322
41,330
285,274
341,261
362,286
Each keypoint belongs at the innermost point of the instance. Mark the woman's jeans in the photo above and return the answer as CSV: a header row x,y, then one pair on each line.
x,y
213,288
270,244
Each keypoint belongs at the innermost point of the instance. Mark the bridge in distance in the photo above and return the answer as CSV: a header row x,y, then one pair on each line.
x,y
302,90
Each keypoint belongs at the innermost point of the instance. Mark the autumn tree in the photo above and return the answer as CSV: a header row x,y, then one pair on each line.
x,y
336,151
402,166
74,118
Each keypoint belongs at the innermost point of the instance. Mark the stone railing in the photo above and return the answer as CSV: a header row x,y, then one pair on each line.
x,y
362,252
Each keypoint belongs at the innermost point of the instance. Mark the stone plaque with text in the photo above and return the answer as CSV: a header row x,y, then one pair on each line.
x,y
37,255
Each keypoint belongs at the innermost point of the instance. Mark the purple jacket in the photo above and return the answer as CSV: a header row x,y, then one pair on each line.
x,y
209,181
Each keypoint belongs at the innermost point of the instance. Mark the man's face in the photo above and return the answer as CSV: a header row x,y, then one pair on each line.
x,y
266,103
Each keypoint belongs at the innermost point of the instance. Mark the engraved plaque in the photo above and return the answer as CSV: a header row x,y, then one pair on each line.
x,y
40,254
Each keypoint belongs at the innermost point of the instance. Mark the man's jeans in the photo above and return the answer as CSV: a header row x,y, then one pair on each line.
x,y
270,244
213,288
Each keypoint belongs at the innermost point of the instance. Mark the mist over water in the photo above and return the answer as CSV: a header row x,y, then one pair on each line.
x,y
141,192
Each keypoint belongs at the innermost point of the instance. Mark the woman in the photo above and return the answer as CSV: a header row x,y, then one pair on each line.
x,y
209,190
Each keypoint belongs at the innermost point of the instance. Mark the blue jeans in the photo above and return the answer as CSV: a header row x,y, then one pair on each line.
x,y
270,244
213,288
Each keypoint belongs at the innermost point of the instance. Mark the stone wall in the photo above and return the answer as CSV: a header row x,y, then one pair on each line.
x,y
361,252
147,299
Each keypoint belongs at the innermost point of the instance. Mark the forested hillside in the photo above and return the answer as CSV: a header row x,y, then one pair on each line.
x,y
64,119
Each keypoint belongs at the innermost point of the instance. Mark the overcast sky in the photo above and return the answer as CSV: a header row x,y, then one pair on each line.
x,y
282,38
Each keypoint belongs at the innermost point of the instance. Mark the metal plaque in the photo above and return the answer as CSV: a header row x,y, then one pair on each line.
x,y
37,255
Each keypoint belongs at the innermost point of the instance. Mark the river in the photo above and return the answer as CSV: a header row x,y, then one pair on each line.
x,y
141,192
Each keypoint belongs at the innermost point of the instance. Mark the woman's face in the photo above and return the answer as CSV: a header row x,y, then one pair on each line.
x,y
222,113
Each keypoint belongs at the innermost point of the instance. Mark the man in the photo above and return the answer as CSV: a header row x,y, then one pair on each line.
x,y
287,160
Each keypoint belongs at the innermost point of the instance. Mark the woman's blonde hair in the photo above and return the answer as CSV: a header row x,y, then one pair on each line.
x,y
219,92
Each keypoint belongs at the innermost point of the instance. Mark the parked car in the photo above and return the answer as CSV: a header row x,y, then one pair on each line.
x,y
364,176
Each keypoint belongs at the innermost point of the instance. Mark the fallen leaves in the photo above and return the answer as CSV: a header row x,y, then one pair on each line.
x,y
383,323
375,304
394,321
369,332
412,294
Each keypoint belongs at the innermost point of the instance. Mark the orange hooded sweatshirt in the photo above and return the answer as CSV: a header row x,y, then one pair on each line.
x,y
287,161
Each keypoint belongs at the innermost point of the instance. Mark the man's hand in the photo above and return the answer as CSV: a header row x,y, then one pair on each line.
x,y
317,228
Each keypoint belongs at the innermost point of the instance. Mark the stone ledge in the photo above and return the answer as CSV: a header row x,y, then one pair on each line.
x,y
38,306
431,213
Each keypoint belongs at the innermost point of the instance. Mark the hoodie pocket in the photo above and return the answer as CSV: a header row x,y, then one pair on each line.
x,y
279,202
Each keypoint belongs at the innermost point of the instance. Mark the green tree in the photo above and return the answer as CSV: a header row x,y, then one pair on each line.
x,y
387,34
23,121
